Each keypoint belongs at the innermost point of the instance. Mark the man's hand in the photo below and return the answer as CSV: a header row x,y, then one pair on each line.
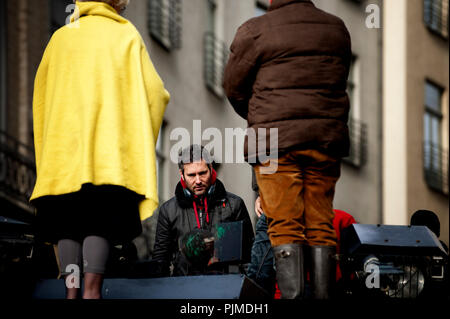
x,y
258,208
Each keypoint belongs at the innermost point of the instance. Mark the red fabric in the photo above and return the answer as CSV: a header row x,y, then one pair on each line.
x,y
183,183
196,214
341,220
277,292
206,210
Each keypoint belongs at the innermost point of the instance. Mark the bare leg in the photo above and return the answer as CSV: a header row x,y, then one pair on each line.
x,y
95,255
72,293
92,286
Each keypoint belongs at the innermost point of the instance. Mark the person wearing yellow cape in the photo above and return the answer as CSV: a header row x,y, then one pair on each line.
x,y
98,106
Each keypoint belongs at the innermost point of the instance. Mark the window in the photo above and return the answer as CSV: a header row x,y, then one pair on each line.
x,y
435,159
435,14
2,66
215,53
164,22
357,129
216,57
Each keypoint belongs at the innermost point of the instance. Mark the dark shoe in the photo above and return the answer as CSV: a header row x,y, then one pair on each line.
x,y
289,259
323,271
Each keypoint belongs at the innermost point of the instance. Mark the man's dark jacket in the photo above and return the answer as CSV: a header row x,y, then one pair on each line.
x,y
177,218
288,69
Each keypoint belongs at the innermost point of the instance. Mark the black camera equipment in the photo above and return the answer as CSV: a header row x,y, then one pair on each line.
x,y
393,262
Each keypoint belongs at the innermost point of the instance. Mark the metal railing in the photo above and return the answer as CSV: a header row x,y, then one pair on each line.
x,y
358,143
164,22
17,171
435,165
215,58
435,14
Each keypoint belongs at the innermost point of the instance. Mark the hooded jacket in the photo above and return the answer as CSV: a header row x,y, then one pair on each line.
x,y
97,108
288,70
177,218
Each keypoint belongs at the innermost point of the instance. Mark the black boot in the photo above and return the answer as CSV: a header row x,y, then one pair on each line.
x,y
289,260
323,271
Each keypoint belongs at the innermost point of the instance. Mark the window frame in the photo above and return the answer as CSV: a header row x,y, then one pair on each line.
x,y
442,27
164,23
435,157
434,114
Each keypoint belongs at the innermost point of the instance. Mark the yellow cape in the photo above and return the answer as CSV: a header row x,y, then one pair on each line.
x,y
98,106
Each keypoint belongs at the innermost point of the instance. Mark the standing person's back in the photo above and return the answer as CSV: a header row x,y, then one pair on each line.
x,y
98,106
288,71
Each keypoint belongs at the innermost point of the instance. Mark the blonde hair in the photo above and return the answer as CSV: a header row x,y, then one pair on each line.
x,y
121,4
117,3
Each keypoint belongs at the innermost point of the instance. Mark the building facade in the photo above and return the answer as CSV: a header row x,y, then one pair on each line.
x,y
398,87
415,110
23,36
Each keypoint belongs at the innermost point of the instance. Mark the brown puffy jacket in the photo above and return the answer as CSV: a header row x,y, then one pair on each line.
x,y
288,70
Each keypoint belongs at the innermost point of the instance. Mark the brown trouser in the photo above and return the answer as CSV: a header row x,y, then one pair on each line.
x,y
298,198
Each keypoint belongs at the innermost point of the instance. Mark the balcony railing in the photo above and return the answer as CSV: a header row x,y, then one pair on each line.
x,y
164,22
435,13
17,171
435,164
215,58
358,143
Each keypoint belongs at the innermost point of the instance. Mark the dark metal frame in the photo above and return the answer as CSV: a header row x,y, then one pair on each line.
x,y
400,277
436,178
